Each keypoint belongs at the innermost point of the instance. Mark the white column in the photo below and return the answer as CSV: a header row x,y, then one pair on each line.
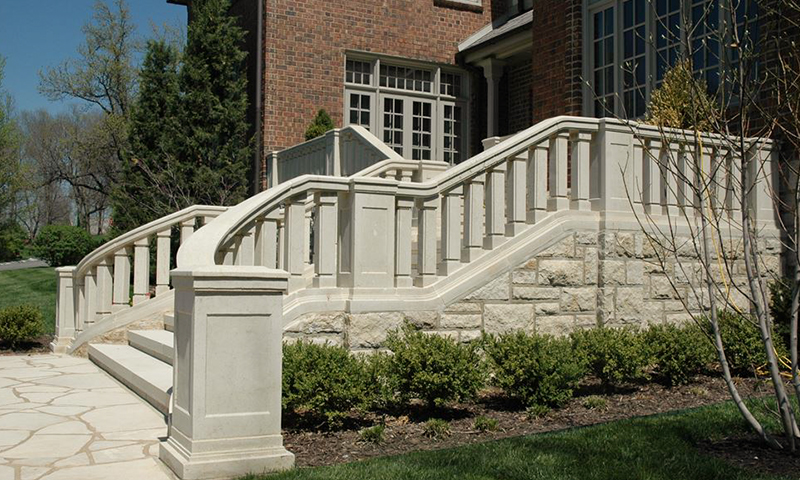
x,y
90,297
325,233
473,219
122,279
226,420
515,188
493,71
537,183
163,247
65,310
451,231
332,155
720,167
104,287
294,239
558,172
652,178
581,145
761,194
187,229
245,254
670,162
141,270
266,253
402,249
426,241
495,207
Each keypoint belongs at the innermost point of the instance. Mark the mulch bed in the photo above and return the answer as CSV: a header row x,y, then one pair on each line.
x,y
751,453
38,345
404,434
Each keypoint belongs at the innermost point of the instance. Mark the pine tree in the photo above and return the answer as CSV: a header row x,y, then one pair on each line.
x,y
322,123
151,184
213,145
682,101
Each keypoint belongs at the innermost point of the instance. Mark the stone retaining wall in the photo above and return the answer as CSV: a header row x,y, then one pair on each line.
x,y
584,280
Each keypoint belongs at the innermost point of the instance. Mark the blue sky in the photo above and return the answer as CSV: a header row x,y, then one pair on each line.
x,y
35,34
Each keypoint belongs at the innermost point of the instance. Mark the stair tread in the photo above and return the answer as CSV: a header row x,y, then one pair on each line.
x,y
157,343
163,337
169,322
145,375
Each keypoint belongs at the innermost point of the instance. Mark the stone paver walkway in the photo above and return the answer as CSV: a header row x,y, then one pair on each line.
x,y
62,418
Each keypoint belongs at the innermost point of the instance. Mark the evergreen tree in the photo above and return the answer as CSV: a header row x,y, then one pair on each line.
x,y
682,101
212,145
151,186
322,123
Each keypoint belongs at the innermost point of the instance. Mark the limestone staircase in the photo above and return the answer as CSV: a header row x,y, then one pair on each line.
x,y
144,365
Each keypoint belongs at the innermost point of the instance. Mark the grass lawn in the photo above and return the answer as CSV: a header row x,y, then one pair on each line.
x,y
653,448
31,285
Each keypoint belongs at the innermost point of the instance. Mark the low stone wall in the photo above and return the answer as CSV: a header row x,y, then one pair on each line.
x,y
584,280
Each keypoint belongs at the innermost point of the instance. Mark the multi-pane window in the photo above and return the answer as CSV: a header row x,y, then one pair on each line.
x,y
418,111
634,43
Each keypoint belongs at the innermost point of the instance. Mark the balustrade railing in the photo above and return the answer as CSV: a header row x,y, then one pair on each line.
x,y
100,285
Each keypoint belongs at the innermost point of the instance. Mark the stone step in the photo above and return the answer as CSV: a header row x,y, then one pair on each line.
x,y
169,321
156,343
146,376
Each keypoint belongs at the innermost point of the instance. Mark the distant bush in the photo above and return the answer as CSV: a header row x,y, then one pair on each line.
x,y
537,370
19,324
12,241
435,369
614,355
322,123
744,347
60,245
679,353
323,381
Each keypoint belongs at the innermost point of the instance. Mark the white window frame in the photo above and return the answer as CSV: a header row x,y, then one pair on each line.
x,y
378,93
590,7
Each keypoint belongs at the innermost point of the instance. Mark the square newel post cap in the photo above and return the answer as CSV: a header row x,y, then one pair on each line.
x,y
230,277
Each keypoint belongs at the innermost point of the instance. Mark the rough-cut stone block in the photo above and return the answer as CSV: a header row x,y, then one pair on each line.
x,y
466,336
586,238
523,277
634,272
546,309
771,265
585,321
688,273
461,320
536,293
497,289
612,272
531,264
652,313
423,319
660,287
579,299
564,248
317,323
463,307
590,265
560,325
504,318
444,334
652,266
369,330
335,340
628,245
679,318
560,273
605,305
629,300
672,305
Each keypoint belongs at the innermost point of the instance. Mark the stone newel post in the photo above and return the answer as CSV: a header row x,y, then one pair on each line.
x,y
65,310
226,418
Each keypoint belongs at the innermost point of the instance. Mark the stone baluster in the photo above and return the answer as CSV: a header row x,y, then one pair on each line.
x,y
426,241
245,254
80,302
735,183
451,231
325,235
652,178
719,167
495,207
187,229
473,219
281,238
687,164
537,183
294,239
402,251
636,178
670,175
516,176
122,279
333,163
141,270
105,290
65,310
581,151
307,234
266,253
558,172
163,254
406,174
761,202
90,298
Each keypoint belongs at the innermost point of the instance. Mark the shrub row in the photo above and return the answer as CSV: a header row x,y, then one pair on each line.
x,y
20,324
537,371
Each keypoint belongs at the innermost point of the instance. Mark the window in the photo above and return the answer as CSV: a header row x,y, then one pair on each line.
x,y
634,42
417,110
519,6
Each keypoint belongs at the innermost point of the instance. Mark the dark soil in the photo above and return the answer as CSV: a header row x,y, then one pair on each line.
x,y
404,433
38,345
751,453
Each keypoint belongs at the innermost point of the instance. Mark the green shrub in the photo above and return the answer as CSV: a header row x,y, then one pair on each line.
x,y
614,355
741,338
324,381
20,323
537,411
537,370
682,101
381,383
12,241
485,424
322,123
436,428
780,306
435,369
679,353
62,244
372,434
595,402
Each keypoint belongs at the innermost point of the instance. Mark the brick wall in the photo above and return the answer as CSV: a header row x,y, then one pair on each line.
x,y
556,58
305,44
519,96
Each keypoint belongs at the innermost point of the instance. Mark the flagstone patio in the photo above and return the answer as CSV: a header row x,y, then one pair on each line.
x,y
62,418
